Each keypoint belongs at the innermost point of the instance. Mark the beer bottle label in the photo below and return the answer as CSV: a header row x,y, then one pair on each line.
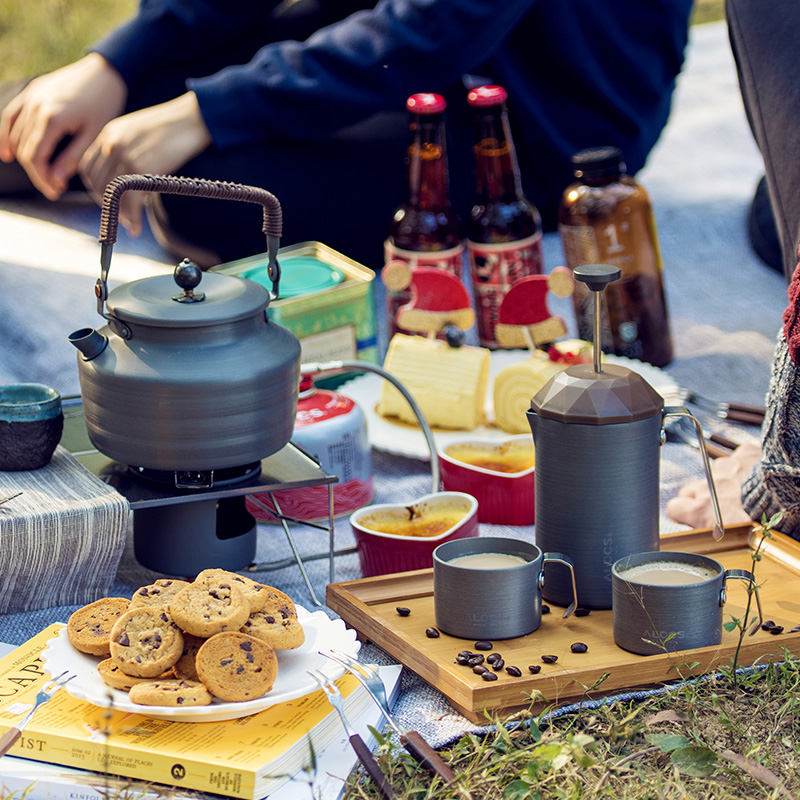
x,y
451,259
495,268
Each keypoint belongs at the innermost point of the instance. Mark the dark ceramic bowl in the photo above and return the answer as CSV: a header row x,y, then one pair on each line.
x,y
31,423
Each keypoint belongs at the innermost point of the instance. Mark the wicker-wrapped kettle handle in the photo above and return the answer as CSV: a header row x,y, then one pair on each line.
x,y
195,187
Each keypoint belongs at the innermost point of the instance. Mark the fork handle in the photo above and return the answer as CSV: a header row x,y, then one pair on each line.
x,y
371,766
745,417
8,738
748,409
426,755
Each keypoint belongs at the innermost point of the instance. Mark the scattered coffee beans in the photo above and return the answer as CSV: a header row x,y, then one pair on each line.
x,y
767,624
796,629
463,659
515,671
581,612
403,611
498,665
578,647
479,669
489,676
549,659
776,629
492,657
432,633
476,659
535,669
483,645
545,609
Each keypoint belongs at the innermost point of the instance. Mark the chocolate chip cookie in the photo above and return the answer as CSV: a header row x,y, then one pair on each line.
x,y
209,606
255,593
159,593
89,627
145,642
171,693
236,667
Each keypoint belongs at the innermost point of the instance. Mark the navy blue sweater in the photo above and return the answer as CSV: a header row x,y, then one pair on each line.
x,y
579,73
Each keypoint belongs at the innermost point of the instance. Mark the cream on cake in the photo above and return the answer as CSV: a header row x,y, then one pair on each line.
x,y
448,383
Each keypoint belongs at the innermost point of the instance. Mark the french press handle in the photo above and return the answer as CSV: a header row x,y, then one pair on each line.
x,y
680,411
195,187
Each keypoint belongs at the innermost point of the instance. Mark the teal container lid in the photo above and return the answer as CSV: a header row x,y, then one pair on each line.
x,y
299,276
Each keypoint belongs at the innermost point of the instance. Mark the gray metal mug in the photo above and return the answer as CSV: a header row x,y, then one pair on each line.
x,y
502,603
651,618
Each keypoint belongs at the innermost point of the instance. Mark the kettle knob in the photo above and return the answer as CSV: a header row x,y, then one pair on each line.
x,y
188,276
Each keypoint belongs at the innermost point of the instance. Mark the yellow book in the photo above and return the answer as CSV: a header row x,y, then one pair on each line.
x,y
248,757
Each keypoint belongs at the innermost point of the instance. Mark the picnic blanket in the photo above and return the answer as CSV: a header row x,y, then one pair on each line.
x,y
725,309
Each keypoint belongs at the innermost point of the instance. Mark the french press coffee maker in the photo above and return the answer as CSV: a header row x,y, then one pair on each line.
x,y
598,430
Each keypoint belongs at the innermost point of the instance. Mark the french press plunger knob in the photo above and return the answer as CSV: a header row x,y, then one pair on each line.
x,y
597,277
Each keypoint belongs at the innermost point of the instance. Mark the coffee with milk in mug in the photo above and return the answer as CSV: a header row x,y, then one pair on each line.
x,y
668,573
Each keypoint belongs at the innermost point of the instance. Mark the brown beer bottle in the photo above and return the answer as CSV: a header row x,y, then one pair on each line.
x,y
425,231
605,217
504,231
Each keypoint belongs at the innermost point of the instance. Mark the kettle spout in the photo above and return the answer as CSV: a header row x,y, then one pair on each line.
x,y
89,342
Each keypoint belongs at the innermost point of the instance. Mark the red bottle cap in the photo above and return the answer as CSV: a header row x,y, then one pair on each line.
x,y
482,96
426,103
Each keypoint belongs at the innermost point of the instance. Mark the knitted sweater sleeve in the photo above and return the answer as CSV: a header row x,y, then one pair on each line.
x,y
774,483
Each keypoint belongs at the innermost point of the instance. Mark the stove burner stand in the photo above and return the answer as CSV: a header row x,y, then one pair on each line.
x,y
186,537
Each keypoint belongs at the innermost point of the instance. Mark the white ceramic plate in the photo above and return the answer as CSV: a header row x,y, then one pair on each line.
x,y
407,440
293,681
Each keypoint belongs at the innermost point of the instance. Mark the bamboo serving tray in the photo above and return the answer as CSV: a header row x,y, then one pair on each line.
x,y
369,606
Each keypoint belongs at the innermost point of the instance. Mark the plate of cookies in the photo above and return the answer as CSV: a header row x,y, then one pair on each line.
x,y
220,647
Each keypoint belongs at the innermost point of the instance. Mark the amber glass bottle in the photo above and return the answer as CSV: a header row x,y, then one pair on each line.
x,y
425,230
606,218
504,231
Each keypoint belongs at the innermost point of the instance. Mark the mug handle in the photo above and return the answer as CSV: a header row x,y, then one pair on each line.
x,y
560,558
745,575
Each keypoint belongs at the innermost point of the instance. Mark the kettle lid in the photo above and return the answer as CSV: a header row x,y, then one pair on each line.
x,y
157,301
579,394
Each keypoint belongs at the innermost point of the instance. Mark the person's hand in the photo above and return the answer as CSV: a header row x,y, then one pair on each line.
x,y
156,140
75,101
692,506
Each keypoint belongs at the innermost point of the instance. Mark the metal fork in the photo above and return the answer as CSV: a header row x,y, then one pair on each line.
x,y
357,743
9,497
412,740
735,412
42,696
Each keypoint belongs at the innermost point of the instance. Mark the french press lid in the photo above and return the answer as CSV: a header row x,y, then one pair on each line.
x,y
595,394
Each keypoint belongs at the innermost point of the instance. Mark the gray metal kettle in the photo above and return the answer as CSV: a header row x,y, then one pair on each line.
x,y
598,432
193,376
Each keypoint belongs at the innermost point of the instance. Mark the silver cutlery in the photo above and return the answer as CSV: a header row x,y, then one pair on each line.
x,y
734,412
411,740
42,696
10,497
357,743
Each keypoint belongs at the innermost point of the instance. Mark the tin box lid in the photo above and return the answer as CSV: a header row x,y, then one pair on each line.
x,y
300,275
149,301
579,394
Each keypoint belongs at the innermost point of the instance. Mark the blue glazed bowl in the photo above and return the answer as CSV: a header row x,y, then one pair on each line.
x,y
31,422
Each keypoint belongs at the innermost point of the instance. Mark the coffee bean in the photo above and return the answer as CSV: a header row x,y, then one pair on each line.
x,y
767,624
476,659
467,653
498,665
483,645
776,629
534,669
578,647
403,611
492,657
489,676
796,629
515,671
581,612
549,659
545,609
432,633
479,669
462,659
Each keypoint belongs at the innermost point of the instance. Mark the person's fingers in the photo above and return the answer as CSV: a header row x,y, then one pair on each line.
x,y
65,165
7,121
131,208
35,154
